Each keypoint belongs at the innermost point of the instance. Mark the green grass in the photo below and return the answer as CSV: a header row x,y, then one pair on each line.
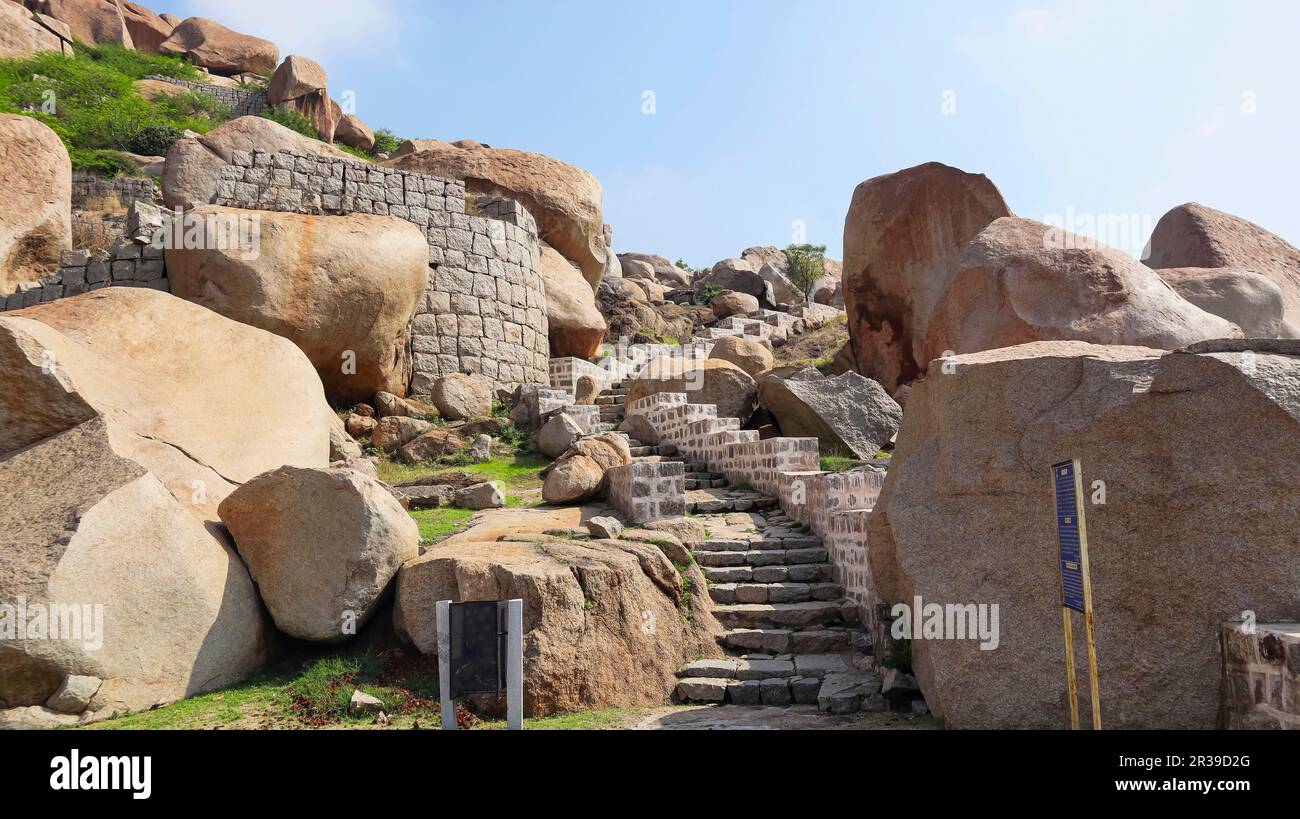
x,y
261,695
837,463
90,101
515,471
435,524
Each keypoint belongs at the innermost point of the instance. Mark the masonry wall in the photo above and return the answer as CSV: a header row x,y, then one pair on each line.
x,y
241,102
126,264
89,192
484,311
645,491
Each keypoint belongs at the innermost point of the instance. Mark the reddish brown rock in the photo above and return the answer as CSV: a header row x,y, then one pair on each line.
x,y
902,236
1193,235
213,46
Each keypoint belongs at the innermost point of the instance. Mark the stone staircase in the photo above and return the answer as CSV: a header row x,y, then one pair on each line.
x,y
792,637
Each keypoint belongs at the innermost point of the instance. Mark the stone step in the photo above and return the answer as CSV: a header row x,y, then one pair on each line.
x,y
764,545
797,573
716,505
787,641
781,615
795,665
761,557
774,592
692,483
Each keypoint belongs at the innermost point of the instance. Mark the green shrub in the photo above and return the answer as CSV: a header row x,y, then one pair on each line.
x,y
104,163
137,65
807,267
707,293
292,120
386,141
153,140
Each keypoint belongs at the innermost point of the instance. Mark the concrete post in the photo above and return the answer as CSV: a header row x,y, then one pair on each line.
x,y
515,665
443,613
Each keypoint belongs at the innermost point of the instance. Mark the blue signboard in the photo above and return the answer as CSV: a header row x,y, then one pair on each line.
x,y
1067,533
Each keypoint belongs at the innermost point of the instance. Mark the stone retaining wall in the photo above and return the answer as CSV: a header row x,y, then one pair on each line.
x,y
646,491
91,192
484,311
125,265
241,102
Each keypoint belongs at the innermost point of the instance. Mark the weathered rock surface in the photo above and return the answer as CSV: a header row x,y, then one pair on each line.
x,y
342,288
148,30
1179,547
731,303
902,236
354,133
733,274
22,34
300,84
576,327
322,546
209,44
431,444
847,414
395,431
579,474
1249,300
1020,281
35,201
665,272
751,356
115,460
1193,235
459,397
194,164
93,22
602,623
565,200
557,435
485,495
712,381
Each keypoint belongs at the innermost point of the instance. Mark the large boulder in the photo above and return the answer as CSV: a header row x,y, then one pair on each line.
x,y
211,45
847,414
606,624
93,22
579,474
299,84
148,30
565,200
731,303
23,33
115,452
708,381
1252,301
1178,544
902,236
354,133
343,288
733,274
1193,235
194,164
322,546
460,397
35,201
1020,281
751,356
576,327
665,272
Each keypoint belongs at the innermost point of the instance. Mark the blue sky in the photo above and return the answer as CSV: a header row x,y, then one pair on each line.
x,y
768,114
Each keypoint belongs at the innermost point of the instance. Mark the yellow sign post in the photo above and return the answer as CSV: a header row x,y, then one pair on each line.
x,y
1076,583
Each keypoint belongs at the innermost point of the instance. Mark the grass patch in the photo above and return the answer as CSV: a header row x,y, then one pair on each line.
x,y
90,101
837,463
515,471
436,524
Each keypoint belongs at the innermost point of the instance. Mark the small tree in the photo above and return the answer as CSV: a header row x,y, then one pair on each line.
x,y
807,267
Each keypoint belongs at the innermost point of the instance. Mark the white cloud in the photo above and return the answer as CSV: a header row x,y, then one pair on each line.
x,y
320,29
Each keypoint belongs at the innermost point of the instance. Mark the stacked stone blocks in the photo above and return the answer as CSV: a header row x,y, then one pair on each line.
x,y
484,311
646,491
126,264
241,102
